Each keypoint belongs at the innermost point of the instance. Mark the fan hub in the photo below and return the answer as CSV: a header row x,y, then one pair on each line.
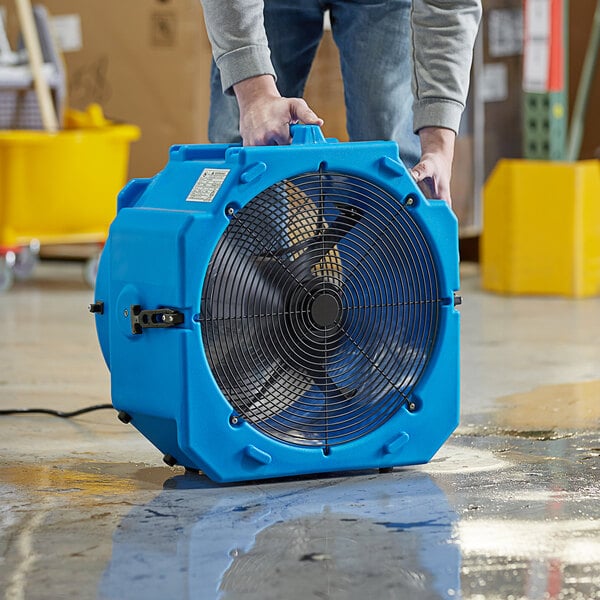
x,y
325,309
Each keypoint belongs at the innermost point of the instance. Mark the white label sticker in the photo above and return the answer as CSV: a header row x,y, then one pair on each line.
x,y
536,62
67,31
494,86
505,32
537,18
536,66
207,185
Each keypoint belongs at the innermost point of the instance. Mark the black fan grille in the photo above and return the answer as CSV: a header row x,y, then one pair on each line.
x,y
320,308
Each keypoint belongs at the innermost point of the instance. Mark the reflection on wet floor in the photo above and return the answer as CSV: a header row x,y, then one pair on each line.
x,y
508,509
352,537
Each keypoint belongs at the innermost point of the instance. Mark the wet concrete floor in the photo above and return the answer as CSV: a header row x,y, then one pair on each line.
x,y
508,509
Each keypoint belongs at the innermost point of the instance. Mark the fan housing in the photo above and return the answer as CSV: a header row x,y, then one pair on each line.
x,y
275,311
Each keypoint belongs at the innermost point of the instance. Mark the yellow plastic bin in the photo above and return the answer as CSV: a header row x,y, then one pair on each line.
x,y
541,228
59,188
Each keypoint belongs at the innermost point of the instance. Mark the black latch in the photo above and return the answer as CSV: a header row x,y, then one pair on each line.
x,y
97,307
160,317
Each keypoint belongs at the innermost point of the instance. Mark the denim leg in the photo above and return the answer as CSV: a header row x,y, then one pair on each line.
x,y
223,115
374,40
294,29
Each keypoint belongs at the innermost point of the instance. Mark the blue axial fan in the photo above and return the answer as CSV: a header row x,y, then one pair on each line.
x,y
275,311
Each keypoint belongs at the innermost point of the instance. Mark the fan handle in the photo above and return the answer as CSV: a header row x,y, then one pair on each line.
x,y
307,134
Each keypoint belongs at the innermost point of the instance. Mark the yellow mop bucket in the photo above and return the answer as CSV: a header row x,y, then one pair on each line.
x,y
60,188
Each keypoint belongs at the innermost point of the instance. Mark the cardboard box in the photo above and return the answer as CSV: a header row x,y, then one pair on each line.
x,y
146,62
325,89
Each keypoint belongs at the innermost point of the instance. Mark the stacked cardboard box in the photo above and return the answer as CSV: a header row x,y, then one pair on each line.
x,y
146,62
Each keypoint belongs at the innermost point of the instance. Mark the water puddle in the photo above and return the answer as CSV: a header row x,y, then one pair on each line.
x,y
85,478
546,410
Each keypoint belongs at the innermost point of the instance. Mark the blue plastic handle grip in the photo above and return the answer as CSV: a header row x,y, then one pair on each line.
x,y
306,134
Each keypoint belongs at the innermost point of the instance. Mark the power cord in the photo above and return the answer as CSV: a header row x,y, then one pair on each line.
x,y
54,413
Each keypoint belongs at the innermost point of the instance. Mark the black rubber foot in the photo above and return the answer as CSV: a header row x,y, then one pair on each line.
x,y
170,460
124,417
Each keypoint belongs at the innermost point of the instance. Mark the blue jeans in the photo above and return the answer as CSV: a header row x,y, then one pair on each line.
x,y
374,42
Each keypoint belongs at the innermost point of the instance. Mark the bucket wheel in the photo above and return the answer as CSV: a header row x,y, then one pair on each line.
x,y
26,260
6,271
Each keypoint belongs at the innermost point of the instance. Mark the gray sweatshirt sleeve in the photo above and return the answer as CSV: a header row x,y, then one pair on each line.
x,y
237,35
443,37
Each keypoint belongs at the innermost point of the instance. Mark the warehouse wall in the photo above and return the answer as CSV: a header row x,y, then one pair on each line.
x,y
581,13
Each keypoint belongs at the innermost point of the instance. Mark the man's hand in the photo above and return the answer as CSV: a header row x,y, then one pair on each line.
x,y
265,117
434,170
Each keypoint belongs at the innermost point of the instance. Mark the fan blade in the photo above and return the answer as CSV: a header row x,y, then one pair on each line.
x,y
348,218
278,392
312,251
332,391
